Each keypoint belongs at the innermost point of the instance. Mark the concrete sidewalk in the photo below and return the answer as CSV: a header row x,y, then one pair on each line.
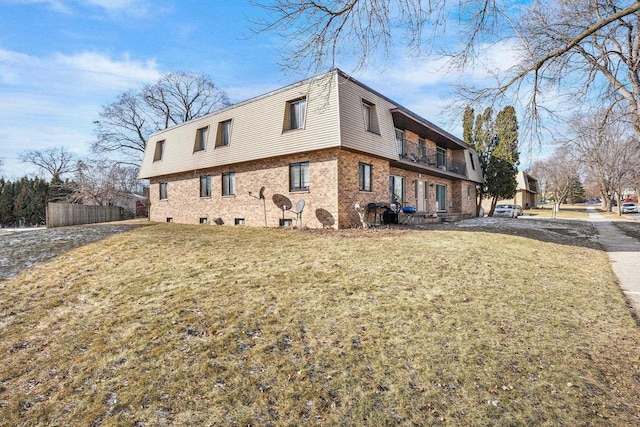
x,y
624,254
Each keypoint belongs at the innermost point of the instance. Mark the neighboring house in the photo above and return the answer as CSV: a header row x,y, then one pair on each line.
x,y
329,140
526,193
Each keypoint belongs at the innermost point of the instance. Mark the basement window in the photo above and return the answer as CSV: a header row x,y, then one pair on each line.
x,y
169,219
239,221
204,220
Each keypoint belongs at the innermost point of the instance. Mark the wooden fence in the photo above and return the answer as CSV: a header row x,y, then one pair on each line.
x,y
65,214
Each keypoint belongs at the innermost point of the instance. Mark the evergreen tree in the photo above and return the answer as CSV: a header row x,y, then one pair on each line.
x,y
507,133
21,202
6,205
38,206
467,125
496,142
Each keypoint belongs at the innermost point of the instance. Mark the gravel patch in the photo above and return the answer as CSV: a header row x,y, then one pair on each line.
x,y
22,248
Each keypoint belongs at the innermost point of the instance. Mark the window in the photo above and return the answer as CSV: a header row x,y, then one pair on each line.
x,y
163,191
422,150
370,117
364,177
468,192
238,221
204,220
205,186
223,138
299,176
473,165
295,114
201,139
441,158
441,197
400,142
229,184
157,155
396,189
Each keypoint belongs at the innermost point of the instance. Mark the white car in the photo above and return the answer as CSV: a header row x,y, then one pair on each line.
x,y
629,207
518,210
509,211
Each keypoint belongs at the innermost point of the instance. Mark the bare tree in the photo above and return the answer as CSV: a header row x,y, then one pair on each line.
x,y
608,151
102,182
125,125
55,161
123,128
584,48
179,97
559,174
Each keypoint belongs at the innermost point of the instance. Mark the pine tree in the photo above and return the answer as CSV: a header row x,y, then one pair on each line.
x,y
7,218
496,142
467,125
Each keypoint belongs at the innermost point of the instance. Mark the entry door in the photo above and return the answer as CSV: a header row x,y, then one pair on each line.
x,y
421,195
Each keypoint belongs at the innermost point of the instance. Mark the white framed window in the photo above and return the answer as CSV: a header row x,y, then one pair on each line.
x,y
229,184
295,114
159,152
364,177
201,139
400,143
422,149
223,137
441,158
163,191
370,116
396,190
441,197
299,176
205,186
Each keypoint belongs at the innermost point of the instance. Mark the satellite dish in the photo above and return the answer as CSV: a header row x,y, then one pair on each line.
x,y
261,193
299,206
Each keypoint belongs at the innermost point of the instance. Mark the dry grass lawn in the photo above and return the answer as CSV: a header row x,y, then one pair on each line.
x,y
566,211
200,325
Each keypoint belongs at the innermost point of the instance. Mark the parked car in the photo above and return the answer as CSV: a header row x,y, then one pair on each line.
x,y
509,211
518,210
629,207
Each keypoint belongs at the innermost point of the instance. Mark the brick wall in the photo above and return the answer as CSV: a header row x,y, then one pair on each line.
x,y
327,203
184,204
349,189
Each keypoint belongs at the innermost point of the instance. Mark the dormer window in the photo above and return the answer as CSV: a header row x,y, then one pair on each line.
x,y
370,117
224,134
295,113
201,139
157,155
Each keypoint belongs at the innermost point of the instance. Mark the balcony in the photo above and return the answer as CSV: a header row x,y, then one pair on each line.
x,y
411,152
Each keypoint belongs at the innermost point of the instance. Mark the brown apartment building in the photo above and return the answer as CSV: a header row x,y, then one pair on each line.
x,y
328,140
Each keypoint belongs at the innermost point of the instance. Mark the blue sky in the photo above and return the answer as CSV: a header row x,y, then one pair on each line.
x,y
61,60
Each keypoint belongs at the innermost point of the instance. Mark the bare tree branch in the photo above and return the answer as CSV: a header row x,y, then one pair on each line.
x,y
55,161
125,125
